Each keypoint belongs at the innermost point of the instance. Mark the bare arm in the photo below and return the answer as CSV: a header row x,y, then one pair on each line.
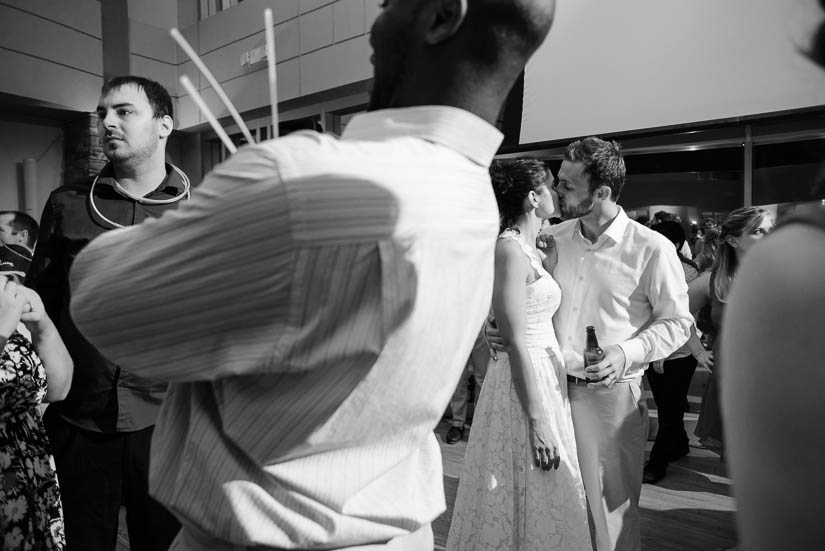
x,y
509,300
704,356
699,292
49,346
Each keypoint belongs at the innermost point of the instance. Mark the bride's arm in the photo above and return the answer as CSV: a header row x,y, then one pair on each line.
x,y
509,304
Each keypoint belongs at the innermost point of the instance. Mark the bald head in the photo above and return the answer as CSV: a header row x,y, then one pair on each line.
x,y
462,53
506,31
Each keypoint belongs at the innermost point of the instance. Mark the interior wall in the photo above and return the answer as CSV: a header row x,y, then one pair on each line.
x,y
19,141
320,45
50,51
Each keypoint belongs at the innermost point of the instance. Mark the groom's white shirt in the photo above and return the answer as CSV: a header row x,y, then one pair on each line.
x,y
629,284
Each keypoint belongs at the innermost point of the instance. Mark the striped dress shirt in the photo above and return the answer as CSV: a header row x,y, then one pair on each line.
x,y
629,285
312,305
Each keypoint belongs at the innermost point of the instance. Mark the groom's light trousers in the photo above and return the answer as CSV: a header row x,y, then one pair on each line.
x,y
611,427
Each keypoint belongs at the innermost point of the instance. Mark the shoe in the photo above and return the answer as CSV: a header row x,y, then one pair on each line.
x,y
653,474
454,435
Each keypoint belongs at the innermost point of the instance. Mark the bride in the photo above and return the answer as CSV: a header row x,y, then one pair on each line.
x,y
521,487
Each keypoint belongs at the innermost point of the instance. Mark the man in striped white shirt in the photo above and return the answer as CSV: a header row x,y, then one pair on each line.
x,y
310,363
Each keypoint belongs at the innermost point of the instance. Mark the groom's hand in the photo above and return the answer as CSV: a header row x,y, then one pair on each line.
x,y
609,369
493,338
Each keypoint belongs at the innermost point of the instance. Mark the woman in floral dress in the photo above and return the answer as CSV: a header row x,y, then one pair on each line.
x,y
32,370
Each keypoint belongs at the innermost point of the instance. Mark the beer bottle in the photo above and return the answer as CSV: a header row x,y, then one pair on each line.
x,y
593,354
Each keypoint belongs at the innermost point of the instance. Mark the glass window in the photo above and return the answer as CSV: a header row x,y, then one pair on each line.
x,y
789,173
693,185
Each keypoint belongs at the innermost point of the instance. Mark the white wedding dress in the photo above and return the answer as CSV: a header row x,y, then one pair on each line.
x,y
504,501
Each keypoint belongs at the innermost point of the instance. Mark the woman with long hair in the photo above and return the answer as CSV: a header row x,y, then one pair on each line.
x,y
521,488
742,229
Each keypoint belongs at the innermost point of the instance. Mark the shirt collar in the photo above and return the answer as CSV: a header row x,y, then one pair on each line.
x,y
455,128
614,231
106,177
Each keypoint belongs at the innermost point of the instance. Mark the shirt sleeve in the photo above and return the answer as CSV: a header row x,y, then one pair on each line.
x,y
670,322
200,292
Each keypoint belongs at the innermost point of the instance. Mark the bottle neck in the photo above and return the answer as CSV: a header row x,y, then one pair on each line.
x,y
592,341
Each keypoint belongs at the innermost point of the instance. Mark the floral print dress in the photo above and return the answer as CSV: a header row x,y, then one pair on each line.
x,y
31,516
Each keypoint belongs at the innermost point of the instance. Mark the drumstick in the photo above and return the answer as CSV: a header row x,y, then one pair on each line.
x,y
213,122
273,76
213,82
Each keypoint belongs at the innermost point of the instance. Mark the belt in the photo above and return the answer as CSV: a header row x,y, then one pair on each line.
x,y
576,380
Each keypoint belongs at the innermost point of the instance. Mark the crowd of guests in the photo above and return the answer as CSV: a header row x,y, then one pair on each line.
x,y
282,393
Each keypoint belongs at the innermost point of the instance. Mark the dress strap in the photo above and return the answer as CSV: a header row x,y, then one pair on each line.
x,y
532,256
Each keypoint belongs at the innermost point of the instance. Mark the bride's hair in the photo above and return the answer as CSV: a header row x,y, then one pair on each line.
x,y
512,180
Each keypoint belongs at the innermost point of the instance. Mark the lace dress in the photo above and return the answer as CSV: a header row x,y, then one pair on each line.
x,y
504,502
31,517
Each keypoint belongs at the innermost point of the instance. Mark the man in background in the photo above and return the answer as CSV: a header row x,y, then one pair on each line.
x,y
474,370
101,432
18,228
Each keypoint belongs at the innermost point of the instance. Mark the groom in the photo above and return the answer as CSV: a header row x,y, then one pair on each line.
x,y
625,280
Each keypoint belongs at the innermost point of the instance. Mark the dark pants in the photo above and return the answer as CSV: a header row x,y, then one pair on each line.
x,y
670,391
97,473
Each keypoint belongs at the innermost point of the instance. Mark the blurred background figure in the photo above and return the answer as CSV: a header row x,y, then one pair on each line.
x,y
707,248
742,229
473,376
670,379
18,228
695,237
665,216
772,389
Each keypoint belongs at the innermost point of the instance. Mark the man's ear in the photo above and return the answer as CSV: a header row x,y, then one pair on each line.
x,y
166,126
604,192
443,19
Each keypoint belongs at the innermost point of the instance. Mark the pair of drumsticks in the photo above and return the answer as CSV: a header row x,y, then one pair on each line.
x,y
196,97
